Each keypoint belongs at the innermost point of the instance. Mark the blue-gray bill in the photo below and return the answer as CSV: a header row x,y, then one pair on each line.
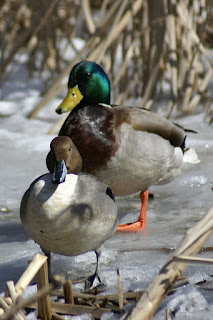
x,y
60,172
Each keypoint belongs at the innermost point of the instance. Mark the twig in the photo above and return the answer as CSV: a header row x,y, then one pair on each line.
x,y
57,86
30,272
196,99
167,314
12,291
110,297
23,41
122,23
127,58
97,55
190,84
185,18
151,73
65,308
102,11
44,306
13,295
120,291
4,304
68,292
187,259
88,15
172,54
25,302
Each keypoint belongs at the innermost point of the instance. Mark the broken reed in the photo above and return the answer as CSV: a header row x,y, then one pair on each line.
x,y
11,306
155,40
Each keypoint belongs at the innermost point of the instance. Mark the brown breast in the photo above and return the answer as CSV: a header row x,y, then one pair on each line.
x,y
91,129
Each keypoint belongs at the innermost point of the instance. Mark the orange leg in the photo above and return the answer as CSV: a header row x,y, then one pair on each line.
x,y
140,224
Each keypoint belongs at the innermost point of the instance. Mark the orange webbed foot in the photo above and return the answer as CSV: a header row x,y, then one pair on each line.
x,y
131,227
140,224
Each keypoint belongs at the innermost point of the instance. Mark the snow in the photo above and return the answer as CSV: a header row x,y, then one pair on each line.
x,y
176,207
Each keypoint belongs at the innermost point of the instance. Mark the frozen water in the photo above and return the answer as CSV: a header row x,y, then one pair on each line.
x,y
188,300
186,303
175,207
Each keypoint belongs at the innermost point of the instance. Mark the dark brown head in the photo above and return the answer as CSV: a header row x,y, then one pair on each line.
x,y
63,151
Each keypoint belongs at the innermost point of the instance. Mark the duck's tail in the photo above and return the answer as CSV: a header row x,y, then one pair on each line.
x,y
190,156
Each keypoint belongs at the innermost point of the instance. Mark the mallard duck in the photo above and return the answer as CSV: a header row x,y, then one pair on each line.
x,y
128,148
65,211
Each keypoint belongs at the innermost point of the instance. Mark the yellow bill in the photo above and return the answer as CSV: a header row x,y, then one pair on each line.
x,y
72,99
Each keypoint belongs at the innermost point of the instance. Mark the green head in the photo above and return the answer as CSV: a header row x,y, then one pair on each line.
x,y
88,84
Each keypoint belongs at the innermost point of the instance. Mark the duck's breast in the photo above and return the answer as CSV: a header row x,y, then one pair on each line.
x,y
70,218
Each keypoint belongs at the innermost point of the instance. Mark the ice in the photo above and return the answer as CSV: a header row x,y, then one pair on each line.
x,y
188,301
82,317
7,108
30,290
110,316
32,316
198,277
175,208
185,303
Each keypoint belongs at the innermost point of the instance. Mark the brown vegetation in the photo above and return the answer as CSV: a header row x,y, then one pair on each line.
x,y
156,41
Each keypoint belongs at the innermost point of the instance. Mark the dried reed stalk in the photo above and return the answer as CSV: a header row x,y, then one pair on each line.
x,y
96,55
30,33
30,272
151,72
202,87
13,295
68,309
44,306
155,40
57,86
88,15
190,83
172,52
120,291
13,292
6,308
68,292
11,312
162,283
109,297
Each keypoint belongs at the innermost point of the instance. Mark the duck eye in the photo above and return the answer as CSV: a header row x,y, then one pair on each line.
x,y
88,75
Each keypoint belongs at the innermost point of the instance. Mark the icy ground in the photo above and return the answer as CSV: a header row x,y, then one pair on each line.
x,y
175,207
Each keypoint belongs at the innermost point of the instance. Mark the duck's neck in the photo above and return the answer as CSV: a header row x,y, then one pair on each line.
x,y
94,99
